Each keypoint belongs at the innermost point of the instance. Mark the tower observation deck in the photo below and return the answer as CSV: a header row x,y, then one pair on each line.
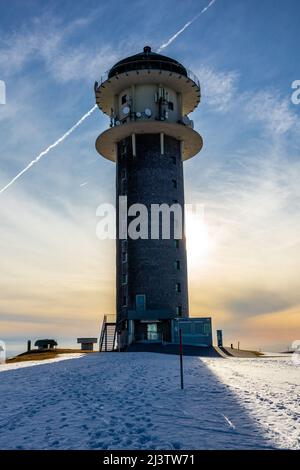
x,y
148,97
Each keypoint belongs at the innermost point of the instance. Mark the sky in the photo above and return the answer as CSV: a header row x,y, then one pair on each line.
x,y
57,279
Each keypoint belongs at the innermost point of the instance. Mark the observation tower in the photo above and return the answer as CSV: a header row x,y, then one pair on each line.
x,y
148,98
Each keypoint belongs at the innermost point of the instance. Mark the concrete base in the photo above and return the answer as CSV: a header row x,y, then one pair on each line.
x,y
240,353
173,349
212,351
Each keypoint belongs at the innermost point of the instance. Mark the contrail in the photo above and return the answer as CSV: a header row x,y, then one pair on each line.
x,y
44,152
175,36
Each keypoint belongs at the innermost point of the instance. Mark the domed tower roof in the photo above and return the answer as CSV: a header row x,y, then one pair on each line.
x,y
147,60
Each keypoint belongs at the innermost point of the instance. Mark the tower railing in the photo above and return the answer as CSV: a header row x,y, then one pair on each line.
x,y
108,334
132,117
150,65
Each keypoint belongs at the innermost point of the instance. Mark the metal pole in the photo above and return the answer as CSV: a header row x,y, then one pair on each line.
x,y
181,359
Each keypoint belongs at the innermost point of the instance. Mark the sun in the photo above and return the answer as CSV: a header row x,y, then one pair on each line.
x,y
198,240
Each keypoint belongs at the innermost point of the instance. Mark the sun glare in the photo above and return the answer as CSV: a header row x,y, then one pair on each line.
x,y
198,240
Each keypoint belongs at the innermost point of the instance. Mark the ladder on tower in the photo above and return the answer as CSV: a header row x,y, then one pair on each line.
x,y
108,335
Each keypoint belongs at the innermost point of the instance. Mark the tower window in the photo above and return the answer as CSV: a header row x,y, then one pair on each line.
x,y
177,265
124,300
171,105
123,174
174,160
124,278
124,246
176,243
124,257
124,149
178,287
124,99
140,302
179,311
174,183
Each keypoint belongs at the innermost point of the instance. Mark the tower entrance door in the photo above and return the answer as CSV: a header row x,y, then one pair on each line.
x,y
152,334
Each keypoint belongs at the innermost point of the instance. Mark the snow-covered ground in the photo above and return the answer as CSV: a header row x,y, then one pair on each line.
x,y
20,365
269,389
133,401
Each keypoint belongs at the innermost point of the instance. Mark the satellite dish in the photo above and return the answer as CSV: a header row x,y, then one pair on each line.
x,y
186,121
148,112
126,110
138,114
118,123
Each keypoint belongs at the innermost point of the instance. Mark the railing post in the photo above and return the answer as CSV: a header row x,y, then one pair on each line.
x,y
181,359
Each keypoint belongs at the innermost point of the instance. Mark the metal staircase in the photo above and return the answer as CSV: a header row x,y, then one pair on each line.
x,y
108,334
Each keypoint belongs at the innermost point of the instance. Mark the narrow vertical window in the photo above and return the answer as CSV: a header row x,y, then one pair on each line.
x,y
177,265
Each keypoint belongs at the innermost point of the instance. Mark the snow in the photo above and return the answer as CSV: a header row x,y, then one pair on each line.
x,y
268,388
21,365
134,401
276,354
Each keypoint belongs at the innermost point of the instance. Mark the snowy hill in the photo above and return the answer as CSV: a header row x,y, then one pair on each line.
x,y
133,401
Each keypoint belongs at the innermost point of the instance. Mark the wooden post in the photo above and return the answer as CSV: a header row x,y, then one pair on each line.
x,y
181,359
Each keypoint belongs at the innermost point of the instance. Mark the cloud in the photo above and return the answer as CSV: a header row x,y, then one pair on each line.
x,y
218,88
18,48
48,41
11,317
80,64
257,302
248,181
53,266
48,149
222,92
276,114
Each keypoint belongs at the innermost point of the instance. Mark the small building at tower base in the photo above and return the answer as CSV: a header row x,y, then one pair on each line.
x,y
195,331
